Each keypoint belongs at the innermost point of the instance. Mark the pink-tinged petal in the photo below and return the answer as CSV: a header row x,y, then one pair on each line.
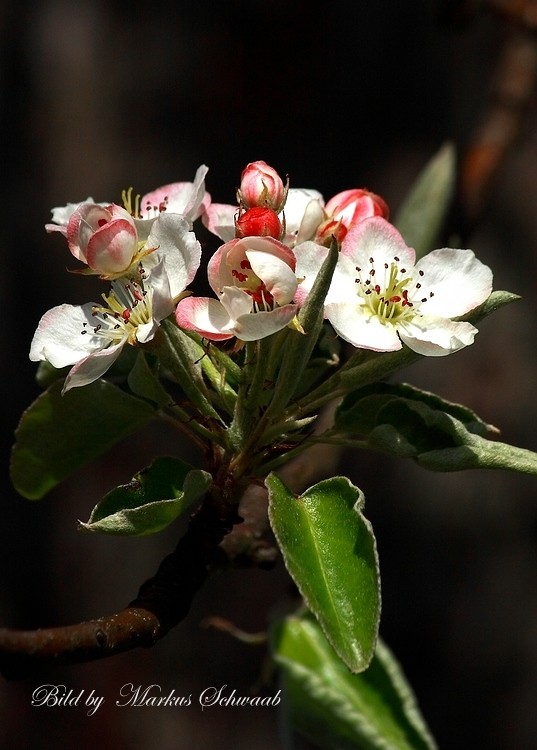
x,y
436,337
457,279
275,273
376,238
354,323
259,325
189,199
62,214
218,274
65,335
219,218
110,250
179,249
206,316
352,206
227,260
92,367
55,228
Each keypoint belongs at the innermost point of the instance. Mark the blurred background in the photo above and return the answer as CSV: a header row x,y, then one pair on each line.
x,y
97,97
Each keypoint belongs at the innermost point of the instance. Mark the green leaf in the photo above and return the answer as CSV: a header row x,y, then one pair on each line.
x,y
330,551
153,499
360,411
436,439
422,214
144,383
337,710
59,434
363,369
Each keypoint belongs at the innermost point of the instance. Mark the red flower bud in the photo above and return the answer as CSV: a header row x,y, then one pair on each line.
x,y
258,222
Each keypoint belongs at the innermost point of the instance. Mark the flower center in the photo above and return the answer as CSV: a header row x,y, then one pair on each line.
x,y
246,279
388,291
127,306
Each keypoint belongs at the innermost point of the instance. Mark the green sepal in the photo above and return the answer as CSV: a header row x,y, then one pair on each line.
x,y
181,356
337,710
59,434
299,346
422,213
153,499
330,552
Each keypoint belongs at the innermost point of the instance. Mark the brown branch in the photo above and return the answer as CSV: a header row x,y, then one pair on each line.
x,y
162,602
217,535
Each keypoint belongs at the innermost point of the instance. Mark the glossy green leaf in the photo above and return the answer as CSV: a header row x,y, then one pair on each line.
x,y
337,710
330,551
422,214
153,499
58,434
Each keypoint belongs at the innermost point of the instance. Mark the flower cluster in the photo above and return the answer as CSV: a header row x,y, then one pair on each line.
x,y
275,240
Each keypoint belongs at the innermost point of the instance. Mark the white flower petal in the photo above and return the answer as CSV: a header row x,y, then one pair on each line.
x,y
219,218
161,300
236,301
59,338
355,323
259,325
458,280
376,238
436,337
309,259
296,205
179,249
205,315
92,367
275,273
62,214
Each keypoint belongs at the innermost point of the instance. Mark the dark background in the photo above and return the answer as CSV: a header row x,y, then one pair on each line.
x,y
99,96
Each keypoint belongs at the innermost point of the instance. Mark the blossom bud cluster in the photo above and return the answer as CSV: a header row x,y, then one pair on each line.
x,y
273,244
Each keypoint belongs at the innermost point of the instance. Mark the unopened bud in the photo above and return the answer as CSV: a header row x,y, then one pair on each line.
x,y
261,186
347,209
258,222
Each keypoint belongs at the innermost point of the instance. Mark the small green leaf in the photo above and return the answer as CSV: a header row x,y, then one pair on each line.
x,y
420,217
337,710
330,551
151,500
59,434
